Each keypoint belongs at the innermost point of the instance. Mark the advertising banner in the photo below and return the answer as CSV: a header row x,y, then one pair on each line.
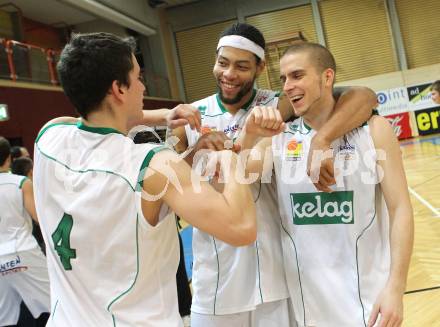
x,y
401,125
428,121
420,97
392,101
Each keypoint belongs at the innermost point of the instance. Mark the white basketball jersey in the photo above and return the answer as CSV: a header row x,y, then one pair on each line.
x,y
336,245
15,221
228,279
107,265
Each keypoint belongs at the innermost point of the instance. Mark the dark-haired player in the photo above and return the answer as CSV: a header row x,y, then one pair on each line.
x,y
245,286
112,248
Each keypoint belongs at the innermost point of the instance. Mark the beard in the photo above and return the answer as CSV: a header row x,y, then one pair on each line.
x,y
245,89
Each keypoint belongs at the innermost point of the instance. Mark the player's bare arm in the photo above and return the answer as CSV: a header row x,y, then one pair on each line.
x,y
255,139
228,216
28,199
180,115
395,190
180,135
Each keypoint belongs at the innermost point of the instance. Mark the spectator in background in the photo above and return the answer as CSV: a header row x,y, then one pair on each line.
x,y
19,152
435,91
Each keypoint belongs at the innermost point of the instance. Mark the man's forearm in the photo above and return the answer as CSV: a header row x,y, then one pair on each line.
x,y
353,108
401,244
246,140
155,117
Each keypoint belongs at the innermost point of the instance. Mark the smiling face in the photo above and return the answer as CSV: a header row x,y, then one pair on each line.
x,y
303,84
235,71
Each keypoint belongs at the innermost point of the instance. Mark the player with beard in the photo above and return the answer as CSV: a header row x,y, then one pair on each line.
x,y
246,286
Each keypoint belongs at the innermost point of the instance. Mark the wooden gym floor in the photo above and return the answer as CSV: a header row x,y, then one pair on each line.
x,y
421,158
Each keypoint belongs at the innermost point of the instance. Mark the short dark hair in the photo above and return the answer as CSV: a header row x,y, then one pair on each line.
x,y
5,150
21,166
16,152
249,32
436,86
90,63
321,56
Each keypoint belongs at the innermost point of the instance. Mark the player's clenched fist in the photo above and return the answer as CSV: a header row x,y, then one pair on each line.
x,y
264,121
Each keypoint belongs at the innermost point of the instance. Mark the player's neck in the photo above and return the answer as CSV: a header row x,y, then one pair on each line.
x,y
6,166
320,112
233,108
107,118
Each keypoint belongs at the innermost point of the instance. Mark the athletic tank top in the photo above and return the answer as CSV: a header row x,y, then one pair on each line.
x,y
228,279
336,245
107,265
15,221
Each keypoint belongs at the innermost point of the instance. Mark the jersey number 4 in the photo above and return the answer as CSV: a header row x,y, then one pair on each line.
x,y
61,241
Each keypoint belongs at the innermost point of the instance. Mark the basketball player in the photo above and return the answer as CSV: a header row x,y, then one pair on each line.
x,y
346,255
23,270
112,247
245,286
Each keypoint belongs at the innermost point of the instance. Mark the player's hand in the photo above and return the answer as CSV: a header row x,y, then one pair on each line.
x,y
264,122
320,164
184,114
389,305
215,141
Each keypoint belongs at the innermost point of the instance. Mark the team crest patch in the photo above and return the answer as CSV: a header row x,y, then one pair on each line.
x,y
294,150
207,129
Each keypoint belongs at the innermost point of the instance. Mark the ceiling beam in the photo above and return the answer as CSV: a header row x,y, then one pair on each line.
x,y
110,14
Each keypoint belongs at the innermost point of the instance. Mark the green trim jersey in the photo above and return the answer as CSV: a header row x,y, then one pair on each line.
x,y
335,245
15,221
229,279
107,265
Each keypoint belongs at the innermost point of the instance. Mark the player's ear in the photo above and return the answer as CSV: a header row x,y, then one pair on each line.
x,y
117,90
260,67
329,75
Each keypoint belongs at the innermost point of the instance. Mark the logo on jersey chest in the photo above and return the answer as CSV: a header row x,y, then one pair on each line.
x,y
294,150
228,130
207,129
346,151
322,208
231,129
261,99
